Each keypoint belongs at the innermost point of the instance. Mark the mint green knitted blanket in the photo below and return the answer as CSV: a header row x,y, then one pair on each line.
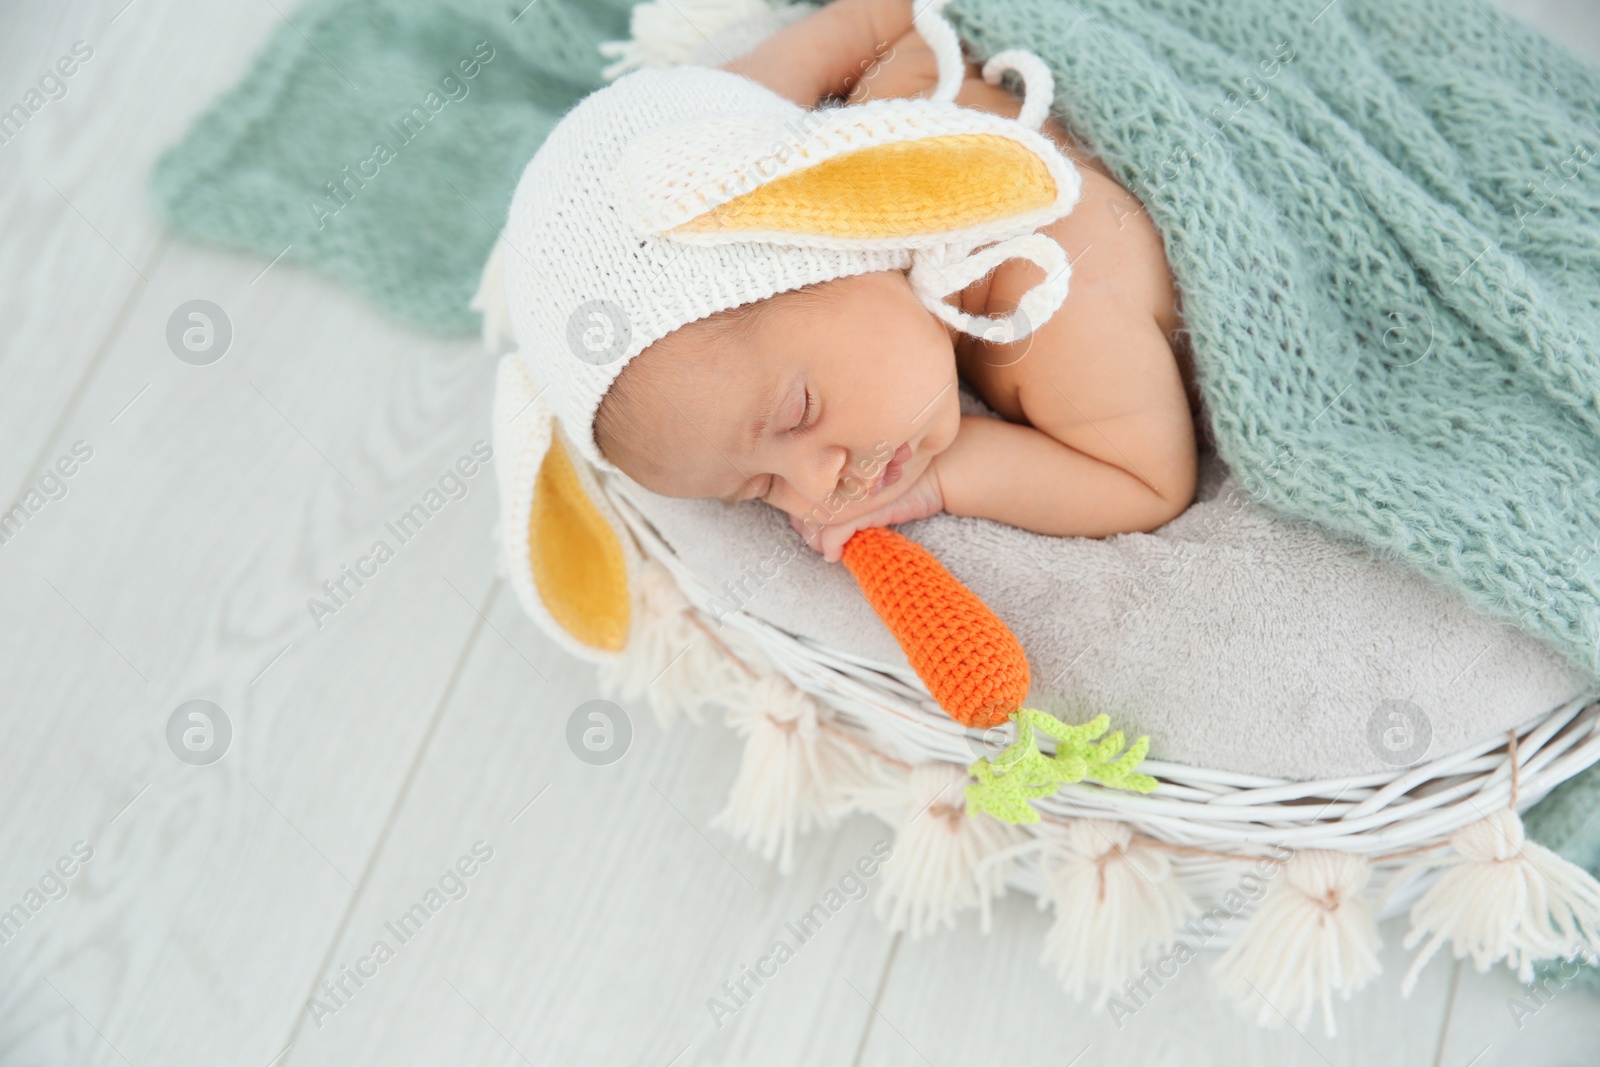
x,y
1383,217
359,142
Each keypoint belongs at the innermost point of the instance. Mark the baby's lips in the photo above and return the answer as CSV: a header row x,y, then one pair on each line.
x,y
892,471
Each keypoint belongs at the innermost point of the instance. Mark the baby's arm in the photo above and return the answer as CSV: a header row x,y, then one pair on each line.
x,y
826,53
1110,447
860,50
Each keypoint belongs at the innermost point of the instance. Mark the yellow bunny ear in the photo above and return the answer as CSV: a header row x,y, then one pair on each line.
x,y
890,174
573,563
890,190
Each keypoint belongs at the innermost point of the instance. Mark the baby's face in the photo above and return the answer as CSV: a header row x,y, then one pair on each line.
x,y
837,383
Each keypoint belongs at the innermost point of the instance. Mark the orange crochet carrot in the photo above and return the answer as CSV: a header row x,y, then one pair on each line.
x,y
972,664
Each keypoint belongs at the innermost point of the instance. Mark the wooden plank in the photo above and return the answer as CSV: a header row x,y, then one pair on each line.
x,y
81,242
178,565
1496,1022
1018,1013
1575,24
610,912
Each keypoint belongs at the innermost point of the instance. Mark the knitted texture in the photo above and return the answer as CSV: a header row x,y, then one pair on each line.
x,y
588,291
601,255
1568,822
970,661
874,197
1006,783
977,671
1385,226
769,141
289,157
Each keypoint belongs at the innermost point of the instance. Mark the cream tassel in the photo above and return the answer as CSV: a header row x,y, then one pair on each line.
x,y
1314,933
1505,897
937,851
1116,903
795,772
672,659
665,33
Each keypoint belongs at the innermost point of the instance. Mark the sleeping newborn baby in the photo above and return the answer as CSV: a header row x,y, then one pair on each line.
x,y
838,402
810,357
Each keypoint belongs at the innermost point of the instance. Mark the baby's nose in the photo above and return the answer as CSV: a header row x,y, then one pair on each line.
x,y
829,481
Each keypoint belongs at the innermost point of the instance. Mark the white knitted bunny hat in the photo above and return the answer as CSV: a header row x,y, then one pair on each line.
x,y
673,194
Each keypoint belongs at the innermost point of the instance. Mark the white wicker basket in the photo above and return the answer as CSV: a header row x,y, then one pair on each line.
x,y
1213,823
1407,834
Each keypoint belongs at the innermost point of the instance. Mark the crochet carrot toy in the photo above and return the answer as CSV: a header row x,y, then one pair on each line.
x,y
976,669
970,661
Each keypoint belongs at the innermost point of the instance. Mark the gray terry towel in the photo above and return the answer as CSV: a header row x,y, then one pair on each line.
x,y
1236,639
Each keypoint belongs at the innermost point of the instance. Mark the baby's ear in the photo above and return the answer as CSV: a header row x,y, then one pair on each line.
x,y
573,563
886,174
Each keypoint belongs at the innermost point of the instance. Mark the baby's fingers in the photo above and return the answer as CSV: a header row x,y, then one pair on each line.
x,y
828,541
908,68
833,539
805,530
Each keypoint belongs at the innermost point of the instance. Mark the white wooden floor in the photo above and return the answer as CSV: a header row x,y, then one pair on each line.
x,y
425,718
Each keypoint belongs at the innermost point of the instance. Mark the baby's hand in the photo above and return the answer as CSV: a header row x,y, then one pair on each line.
x,y
922,498
910,69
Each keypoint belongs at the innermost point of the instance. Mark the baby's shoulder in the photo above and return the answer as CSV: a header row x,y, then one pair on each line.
x,y
1118,267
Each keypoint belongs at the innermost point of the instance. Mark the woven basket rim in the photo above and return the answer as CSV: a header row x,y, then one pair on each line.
x,y
1376,814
